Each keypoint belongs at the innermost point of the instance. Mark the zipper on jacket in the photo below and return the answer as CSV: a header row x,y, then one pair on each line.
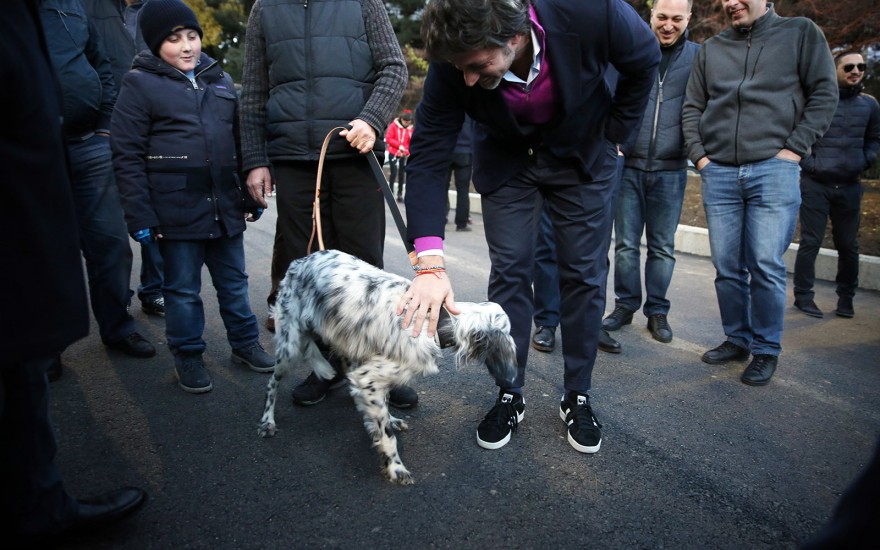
x,y
653,143
739,100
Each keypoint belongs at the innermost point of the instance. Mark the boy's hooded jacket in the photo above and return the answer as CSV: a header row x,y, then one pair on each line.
x,y
175,151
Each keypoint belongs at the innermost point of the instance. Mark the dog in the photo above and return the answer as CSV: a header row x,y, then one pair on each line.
x,y
350,305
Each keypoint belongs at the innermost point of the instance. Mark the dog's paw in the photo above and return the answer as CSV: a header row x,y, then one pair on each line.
x,y
400,475
266,429
399,424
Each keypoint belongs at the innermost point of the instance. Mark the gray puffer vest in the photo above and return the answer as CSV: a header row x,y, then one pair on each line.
x,y
313,88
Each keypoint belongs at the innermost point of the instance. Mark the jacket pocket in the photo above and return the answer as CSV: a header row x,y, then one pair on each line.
x,y
174,206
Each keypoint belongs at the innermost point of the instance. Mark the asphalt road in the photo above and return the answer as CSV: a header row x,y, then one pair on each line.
x,y
691,457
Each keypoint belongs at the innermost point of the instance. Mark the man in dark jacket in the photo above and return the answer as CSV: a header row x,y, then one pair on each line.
x,y
89,93
116,23
759,95
653,182
831,188
43,292
532,77
310,67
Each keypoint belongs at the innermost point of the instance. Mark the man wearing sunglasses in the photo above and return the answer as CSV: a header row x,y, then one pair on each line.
x,y
759,95
830,188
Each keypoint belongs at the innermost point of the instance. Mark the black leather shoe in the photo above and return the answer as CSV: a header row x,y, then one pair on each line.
x,y
544,339
808,306
100,511
617,318
659,327
55,370
135,345
760,370
845,307
609,344
724,353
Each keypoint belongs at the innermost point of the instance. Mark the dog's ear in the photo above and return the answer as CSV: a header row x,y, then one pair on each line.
x,y
482,337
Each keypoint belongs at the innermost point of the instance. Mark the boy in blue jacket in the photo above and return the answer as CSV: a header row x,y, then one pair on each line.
x,y
175,152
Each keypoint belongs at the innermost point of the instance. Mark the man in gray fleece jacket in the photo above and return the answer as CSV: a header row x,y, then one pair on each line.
x,y
759,95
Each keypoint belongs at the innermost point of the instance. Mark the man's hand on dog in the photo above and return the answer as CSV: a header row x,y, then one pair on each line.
x,y
427,293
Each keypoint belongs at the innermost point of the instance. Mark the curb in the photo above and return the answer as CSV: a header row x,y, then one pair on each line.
x,y
695,240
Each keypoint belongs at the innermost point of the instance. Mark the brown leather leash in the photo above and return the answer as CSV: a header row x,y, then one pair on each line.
x,y
379,176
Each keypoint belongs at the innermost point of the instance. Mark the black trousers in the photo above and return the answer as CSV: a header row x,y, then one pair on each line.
x,y
352,212
32,499
461,173
581,213
842,205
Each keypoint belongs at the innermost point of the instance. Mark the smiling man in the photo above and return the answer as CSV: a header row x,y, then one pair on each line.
x,y
653,182
759,95
532,77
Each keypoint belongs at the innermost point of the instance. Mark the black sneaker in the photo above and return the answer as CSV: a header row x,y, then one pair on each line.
x,y
583,427
313,390
403,397
192,375
501,420
154,306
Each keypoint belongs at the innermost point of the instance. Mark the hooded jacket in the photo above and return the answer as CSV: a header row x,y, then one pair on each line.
x,y
175,151
850,145
753,93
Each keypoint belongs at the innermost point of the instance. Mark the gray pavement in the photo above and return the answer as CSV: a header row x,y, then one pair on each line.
x,y
691,457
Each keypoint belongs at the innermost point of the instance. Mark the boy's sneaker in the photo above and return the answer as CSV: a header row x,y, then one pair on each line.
x,y
255,357
192,375
154,306
583,428
501,421
313,390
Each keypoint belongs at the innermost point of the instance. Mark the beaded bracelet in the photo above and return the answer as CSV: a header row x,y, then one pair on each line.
x,y
436,271
417,267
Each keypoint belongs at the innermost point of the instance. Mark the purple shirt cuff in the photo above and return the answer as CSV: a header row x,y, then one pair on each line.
x,y
428,243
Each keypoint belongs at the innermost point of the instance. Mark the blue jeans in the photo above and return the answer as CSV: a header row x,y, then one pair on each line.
x,y
751,212
103,236
649,202
152,268
184,312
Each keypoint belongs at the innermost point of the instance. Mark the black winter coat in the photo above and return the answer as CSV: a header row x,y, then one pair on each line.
x,y
850,144
175,151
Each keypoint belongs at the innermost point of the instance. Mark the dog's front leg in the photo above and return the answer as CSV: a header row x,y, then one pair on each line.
x,y
370,394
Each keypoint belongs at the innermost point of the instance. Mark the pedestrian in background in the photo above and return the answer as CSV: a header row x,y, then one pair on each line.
x,y
353,75
175,152
116,24
44,296
653,181
397,137
89,94
759,95
831,188
531,76
461,168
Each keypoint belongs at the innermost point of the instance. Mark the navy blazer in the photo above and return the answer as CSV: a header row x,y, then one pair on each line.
x,y
582,40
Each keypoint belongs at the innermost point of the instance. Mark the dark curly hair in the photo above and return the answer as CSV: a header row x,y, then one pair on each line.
x,y
451,27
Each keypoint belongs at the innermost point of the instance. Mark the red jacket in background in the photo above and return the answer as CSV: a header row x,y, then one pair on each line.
x,y
397,138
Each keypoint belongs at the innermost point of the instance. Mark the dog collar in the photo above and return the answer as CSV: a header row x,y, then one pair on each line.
x,y
444,336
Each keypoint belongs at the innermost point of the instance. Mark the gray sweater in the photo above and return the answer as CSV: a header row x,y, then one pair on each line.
x,y
311,66
753,93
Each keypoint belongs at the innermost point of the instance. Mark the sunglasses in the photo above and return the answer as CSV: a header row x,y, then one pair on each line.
x,y
850,66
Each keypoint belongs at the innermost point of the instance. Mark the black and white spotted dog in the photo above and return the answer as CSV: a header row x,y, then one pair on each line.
x,y
350,305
